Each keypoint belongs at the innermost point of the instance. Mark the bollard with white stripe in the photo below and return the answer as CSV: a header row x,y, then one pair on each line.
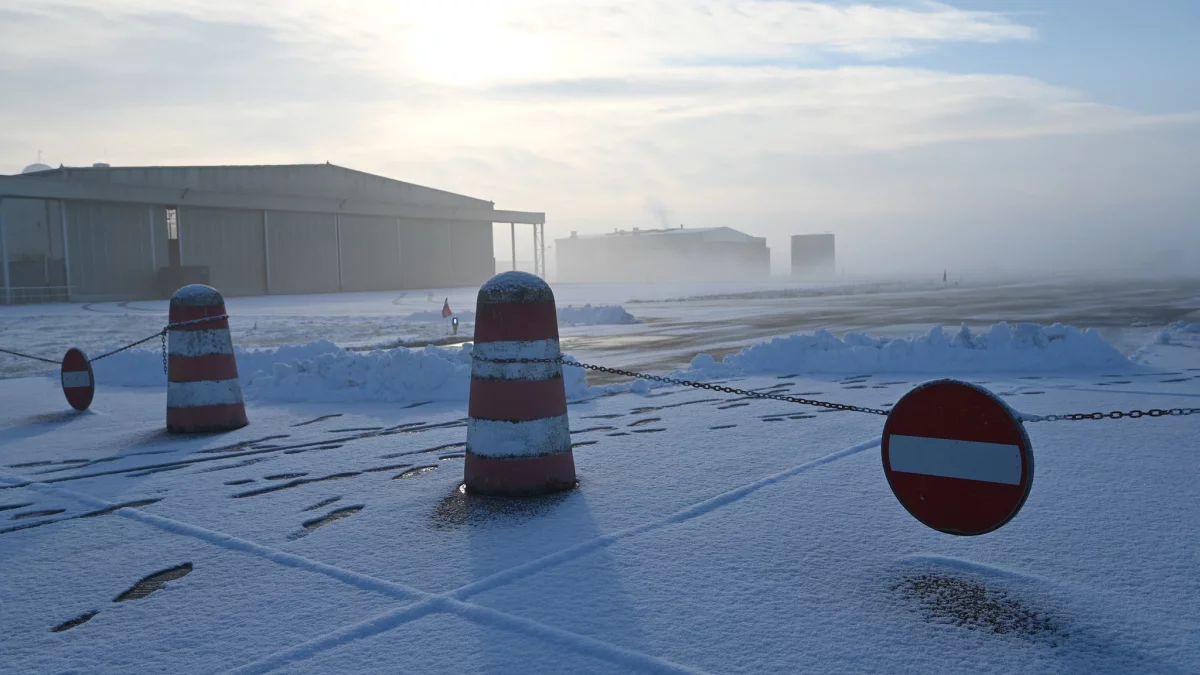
x,y
518,438
203,393
78,381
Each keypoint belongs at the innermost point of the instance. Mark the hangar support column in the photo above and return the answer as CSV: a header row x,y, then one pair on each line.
x,y
4,258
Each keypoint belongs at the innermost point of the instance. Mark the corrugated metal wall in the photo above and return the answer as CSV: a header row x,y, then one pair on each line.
x,y
472,253
303,252
370,254
109,247
228,242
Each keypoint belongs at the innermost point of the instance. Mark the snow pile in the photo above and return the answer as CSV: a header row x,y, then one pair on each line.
x,y
1002,348
594,316
324,372
1186,327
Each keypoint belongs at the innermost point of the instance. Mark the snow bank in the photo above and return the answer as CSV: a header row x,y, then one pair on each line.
x,y
594,316
324,372
1002,348
1186,327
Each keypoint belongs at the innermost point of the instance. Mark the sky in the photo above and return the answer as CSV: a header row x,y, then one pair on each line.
x,y
961,135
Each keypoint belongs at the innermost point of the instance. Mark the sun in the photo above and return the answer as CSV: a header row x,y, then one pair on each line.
x,y
470,42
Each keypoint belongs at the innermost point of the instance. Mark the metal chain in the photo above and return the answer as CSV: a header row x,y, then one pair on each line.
x,y
694,385
35,358
128,346
1114,415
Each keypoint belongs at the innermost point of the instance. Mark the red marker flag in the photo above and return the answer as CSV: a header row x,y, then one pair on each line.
x,y
446,309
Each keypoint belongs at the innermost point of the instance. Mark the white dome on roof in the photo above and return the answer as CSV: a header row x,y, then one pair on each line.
x,y
34,168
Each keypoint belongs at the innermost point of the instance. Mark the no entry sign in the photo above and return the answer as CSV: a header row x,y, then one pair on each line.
x,y
957,457
78,382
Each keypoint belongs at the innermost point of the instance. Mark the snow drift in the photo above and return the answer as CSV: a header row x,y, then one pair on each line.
x,y
1026,347
324,372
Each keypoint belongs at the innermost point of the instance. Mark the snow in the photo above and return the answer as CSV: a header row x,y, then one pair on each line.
x,y
515,286
594,316
196,294
707,534
1000,349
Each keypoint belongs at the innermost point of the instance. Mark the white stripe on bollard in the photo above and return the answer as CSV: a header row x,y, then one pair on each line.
x,y
490,438
209,392
200,342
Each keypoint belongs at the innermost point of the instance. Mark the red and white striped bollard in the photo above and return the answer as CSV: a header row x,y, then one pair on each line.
x,y
203,392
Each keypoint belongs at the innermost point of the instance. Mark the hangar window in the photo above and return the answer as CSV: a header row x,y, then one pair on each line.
x,y
172,223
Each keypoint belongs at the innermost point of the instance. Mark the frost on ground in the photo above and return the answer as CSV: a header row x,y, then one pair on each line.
x,y
707,534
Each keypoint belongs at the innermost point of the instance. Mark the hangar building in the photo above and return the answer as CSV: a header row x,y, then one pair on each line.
x,y
697,254
121,233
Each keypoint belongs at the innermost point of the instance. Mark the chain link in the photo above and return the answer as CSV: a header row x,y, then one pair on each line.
x,y
694,385
1114,415
128,346
27,356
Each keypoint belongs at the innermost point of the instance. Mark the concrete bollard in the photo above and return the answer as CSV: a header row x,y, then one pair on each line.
x,y
518,438
203,392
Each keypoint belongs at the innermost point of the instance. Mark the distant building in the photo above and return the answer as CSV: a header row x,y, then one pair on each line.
x,y
121,233
813,256
698,254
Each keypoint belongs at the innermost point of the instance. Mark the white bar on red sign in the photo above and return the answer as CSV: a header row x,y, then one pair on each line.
x,y
76,378
968,460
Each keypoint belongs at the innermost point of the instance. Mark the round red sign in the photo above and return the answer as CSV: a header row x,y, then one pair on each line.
x,y
957,457
78,381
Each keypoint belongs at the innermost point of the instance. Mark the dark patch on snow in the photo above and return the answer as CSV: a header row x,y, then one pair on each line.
x,y
353,429
27,465
336,514
159,469
644,422
125,505
1030,377
619,433
1105,384
590,429
319,419
77,621
647,431
416,471
9,507
332,446
808,393
461,508
732,405
322,503
603,417
967,603
856,386
1178,379
723,426
154,582
457,455
437,448
36,514
772,419
787,377
418,404
642,411
581,444
1031,393
239,482
295,483
242,445
389,467
285,476
248,462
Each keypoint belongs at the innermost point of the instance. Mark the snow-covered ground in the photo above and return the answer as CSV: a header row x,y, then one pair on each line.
x,y
708,533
